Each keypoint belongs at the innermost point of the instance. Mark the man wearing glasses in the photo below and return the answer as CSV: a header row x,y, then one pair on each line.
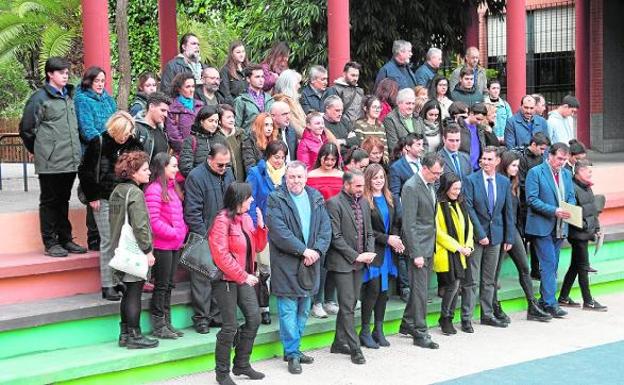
x,y
209,93
204,189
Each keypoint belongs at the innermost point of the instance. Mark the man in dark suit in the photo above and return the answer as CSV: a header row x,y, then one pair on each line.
x,y
418,235
352,245
454,161
400,171
280,113
488,197
547,185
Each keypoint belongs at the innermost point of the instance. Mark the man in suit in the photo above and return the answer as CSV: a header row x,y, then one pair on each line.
x,y
280,113
418,235
547,185
400,172
401,121
488,197
352,245
454,161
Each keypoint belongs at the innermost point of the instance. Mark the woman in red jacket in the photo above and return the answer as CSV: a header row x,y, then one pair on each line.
x,y
234,242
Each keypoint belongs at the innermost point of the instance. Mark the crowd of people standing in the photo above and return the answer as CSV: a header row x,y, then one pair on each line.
x,y
329,198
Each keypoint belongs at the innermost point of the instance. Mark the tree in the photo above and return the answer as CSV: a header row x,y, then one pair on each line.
x,y
121,27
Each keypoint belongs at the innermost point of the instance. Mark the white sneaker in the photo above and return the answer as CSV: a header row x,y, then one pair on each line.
x,y
358,305
318,311
331,308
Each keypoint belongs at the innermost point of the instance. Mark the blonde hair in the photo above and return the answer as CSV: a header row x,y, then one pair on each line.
x,y
120,123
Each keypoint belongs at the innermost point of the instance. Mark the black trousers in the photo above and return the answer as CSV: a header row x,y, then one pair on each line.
x,y
519,257
373,299
163,272
204,305
348,287
130,306
229,295
54,208
579,264
93,235
403,267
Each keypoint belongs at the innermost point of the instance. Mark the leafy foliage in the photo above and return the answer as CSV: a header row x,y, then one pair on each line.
x,y
14,89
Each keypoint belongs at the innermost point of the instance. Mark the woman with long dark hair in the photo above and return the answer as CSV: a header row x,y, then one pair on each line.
x,y
146,85
385,223
182,110
454,243
234,242
275,62
127,199
431,115
386,92
370,125
164,201
233,81
204,132
439,90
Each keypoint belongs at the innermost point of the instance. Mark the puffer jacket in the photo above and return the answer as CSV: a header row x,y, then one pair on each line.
x,y
309,147
229,247
470,97
166,218
179,122
93,111
196,148
586,199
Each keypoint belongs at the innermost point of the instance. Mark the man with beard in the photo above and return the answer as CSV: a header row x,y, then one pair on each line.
x,y
188,60
347,89
209,93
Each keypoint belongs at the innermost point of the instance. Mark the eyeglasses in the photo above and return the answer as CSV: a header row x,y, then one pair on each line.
x,y
221,165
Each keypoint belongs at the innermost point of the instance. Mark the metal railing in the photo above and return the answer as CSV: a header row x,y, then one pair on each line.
x,y
15,144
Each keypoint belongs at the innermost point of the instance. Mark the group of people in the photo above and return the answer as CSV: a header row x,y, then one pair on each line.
x,y
324,197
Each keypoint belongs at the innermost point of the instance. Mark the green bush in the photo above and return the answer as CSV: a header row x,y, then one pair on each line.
x,y
14,89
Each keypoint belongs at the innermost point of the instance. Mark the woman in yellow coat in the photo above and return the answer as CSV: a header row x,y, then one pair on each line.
x,y
454,243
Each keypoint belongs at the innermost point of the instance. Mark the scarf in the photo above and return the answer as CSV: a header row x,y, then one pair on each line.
x,y
276,175
186,102
431,129
446,206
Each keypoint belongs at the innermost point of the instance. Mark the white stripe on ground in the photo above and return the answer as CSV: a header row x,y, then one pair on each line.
x,y
459,355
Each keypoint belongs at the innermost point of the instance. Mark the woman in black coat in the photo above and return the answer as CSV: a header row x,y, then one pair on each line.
x,y
204,132
384,220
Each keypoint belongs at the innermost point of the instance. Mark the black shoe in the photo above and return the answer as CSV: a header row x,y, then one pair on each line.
x,y
339,349
406,331
594,305
94,245
304,359
358,358
110,294
556,311
536,275
136,340
294,365
56,251
500,314
265,318
568,302
446,324
249,372
123,335
493,322
215,324
425,342
378,335
366,339
225,379
591,270
466,327
405,293
202,328
535,312
74,248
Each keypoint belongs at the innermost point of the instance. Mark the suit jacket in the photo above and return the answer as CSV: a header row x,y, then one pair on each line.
x,y
518,132
498,226
395,129
419,209
343,248
543,200
291,142
379,229
400,172
462,158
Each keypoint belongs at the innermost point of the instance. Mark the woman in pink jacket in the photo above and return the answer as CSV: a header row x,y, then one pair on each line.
x,y
314,136
164,202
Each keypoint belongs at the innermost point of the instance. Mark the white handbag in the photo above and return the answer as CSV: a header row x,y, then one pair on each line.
x,y
128,256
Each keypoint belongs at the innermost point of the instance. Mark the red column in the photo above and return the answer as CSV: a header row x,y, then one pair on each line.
x,y
167,31
516,52
338,36
95,37
471,36
581,70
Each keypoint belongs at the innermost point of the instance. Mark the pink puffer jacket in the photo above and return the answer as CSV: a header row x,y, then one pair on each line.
x,y
166,218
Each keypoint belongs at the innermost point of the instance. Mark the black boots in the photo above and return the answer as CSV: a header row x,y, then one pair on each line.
x,y
248,371
535,312
446,324
499,314
136,340
160,329
378,335
123,335
366,339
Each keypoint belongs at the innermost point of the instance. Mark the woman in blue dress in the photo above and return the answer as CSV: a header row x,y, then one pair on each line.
x,y
385,221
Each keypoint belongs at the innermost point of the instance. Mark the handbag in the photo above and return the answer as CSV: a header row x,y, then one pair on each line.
x,y
128,257
196,256
81,195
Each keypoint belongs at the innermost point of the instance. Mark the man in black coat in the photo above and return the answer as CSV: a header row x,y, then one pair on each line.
x,y
299,236
353,245
204,189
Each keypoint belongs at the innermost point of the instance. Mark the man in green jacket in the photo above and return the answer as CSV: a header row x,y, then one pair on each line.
x,y
49,130
254,100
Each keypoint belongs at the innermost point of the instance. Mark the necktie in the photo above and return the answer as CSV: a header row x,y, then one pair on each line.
x,y
415,165
432,192
490,194
457,167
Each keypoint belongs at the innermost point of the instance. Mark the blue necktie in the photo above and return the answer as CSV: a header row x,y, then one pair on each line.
x,y
490,195
457,167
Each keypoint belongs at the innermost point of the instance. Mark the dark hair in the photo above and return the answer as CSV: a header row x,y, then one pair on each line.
x,y
387,91
539,138
217,148
273,147
478,108
457,108
184,39
577,147
356,154
204,113
446,182
559,147
581,164
507,158
465,71
413,137
451,128
143,78
368,102
348,176
235,195
430,105
433,86
490,149
224,107
248,71
352,64
231,64
157,169
328,148
157,98
493,81
89,76
178,82
55,63
397,151
571,101
278,50
129,163
431,158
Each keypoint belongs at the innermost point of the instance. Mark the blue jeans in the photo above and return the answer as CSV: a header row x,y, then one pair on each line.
x,y
548,254
293,314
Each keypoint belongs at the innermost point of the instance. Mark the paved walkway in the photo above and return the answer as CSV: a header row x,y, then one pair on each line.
x,y
459,355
